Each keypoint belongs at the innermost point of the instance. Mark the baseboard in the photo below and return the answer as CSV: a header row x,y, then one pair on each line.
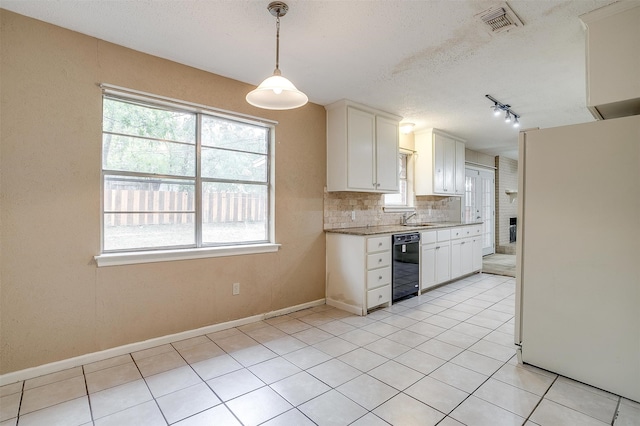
x,y
345,307
41,370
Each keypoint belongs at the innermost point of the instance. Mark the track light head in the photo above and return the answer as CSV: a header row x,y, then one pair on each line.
x,y
496,109
516,122
507,117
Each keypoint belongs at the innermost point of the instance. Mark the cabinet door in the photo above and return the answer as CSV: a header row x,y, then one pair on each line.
x,y
449,166
428,267
360,149
456,258
438,163
459,169
444,162
477,253
443,253
387,139
467,255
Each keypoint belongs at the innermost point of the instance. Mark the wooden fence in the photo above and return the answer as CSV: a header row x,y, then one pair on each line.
x,y
216,207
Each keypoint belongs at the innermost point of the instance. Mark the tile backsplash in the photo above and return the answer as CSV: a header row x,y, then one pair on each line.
x,y
339,208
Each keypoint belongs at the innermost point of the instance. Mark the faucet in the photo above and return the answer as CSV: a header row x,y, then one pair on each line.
x,y
406,217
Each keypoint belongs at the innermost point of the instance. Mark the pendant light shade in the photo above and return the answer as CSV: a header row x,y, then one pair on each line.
x,y
276,92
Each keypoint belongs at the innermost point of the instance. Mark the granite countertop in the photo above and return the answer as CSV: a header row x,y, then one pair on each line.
x,y
396,229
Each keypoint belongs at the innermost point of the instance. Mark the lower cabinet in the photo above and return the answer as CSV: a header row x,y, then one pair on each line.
x,y
435,258
449,254
358,272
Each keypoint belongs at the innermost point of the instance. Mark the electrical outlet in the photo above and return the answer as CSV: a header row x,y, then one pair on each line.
x,y
236,289
353,215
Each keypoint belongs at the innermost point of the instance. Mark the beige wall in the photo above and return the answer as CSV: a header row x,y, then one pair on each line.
x,y
55,302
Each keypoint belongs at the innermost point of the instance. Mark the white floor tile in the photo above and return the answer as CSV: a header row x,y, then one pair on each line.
x,y
552,413
406,411
258,406
119,398
334,372
436,394
332,409
367,391
336,346
300,388
459,377
290,418
146,413
171,381
187,402
369,419
396,375
69,413
214,367
274,369
592,404
235,384
307,357
509,397
420,361
477,412
218,416
362,359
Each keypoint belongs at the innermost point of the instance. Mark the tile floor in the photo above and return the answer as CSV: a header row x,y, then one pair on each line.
x,y
500,264
443,358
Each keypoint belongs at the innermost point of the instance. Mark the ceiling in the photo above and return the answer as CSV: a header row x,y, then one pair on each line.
x,y
429,61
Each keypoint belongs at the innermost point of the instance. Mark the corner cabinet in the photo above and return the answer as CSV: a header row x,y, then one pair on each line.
x,y
362,148
439,164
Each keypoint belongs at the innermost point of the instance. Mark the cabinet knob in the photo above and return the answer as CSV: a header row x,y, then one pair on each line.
x,y
379,296
380,277
380,260
379,244
438,248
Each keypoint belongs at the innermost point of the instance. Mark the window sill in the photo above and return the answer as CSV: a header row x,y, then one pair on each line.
x,y
152,256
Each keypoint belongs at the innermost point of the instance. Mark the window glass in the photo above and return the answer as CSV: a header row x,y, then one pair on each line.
x,y
401,198
162,190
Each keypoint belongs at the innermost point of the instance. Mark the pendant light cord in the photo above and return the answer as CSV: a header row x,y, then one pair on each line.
x,y
277,70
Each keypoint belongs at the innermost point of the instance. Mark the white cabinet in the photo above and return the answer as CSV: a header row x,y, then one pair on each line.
x,y
362,148
435,258
358,272
613,62
466,250
439,163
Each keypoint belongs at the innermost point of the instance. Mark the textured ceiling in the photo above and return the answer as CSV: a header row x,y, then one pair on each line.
x,y
429,61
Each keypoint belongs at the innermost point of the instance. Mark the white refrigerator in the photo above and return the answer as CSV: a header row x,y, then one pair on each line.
x,y
578,245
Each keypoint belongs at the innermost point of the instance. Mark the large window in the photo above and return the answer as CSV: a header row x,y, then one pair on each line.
x,y
180,178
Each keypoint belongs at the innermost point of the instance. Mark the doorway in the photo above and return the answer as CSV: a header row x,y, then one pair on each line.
x,y
479,204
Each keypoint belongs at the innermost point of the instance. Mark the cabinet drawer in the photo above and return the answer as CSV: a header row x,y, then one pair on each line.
x,y
457,233
428,237
378,296
378,277
444,235
467,231
378,244
476,230
378,260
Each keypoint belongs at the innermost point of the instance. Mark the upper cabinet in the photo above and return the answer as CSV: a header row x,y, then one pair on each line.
x,y
613,60
439,167
362,148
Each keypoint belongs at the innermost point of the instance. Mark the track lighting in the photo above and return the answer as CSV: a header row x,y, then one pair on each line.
x,y
509,115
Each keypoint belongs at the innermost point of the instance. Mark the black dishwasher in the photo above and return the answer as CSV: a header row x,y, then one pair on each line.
x,y
406,266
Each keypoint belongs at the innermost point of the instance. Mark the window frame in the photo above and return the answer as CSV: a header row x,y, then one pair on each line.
x,y
198,249
410,205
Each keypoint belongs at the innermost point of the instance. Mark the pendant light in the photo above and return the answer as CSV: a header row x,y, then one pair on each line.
x,y
276,92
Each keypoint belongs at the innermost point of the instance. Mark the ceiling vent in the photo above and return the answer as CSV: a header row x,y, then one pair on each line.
x,y
501,18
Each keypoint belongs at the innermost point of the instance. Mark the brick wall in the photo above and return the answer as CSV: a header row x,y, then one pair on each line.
x,y
506,179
